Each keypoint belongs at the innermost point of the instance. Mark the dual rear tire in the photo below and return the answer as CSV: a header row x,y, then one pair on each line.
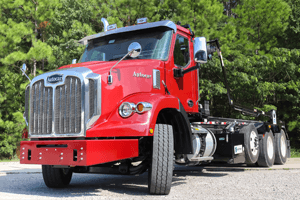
x,y
273,150
251,143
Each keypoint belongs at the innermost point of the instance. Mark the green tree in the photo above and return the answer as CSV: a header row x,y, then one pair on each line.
x,y
291,37
203,16
258,24
12,89
70,23
19,31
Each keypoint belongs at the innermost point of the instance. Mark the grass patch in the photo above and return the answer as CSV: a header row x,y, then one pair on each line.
x,y
13,159
295,153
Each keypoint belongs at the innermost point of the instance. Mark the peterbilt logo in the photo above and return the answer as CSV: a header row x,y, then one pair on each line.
x,y
141,75
55,78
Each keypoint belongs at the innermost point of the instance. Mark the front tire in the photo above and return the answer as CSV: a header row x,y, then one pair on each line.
x,y
281,149
267,151
55,177
161,169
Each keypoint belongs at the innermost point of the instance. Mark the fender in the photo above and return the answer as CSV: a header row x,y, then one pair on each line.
x,y
137,124
165,109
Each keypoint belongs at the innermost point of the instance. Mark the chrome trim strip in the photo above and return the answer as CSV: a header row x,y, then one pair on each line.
x,y
166,23
83,74
97,99
156,80
28,105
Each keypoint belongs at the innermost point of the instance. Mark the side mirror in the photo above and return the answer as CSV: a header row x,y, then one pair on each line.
x,y
74,61
200,50
23,69
137,49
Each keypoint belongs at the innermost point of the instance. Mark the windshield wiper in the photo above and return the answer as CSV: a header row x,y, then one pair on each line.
x,y
123,59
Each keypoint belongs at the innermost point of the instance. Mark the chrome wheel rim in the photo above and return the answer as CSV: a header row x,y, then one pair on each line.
x,y
253,146
283,146
270,147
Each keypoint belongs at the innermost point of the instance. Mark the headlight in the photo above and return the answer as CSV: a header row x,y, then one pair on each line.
x,y
126,109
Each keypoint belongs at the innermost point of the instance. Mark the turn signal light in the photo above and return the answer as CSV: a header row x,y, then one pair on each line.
x,y
142,107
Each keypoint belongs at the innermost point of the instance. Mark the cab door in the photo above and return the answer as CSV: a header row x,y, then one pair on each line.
x,y
186,87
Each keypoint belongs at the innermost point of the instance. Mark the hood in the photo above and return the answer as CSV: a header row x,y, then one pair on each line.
x,y
129,77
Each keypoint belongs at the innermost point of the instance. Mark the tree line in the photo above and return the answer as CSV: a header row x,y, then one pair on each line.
x,y
259,41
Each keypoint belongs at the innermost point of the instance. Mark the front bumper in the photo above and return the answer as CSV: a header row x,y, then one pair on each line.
x,y
77,152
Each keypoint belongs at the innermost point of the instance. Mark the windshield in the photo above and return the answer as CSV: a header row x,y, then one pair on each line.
x,y
155,45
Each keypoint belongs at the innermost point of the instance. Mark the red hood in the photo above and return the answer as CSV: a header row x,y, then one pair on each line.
x,y
129,77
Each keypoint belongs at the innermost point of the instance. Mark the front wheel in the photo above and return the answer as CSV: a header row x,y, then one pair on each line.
x,y
55,177
161,169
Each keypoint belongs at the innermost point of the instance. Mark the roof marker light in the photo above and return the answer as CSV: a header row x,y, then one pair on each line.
x,y
142,20
112,27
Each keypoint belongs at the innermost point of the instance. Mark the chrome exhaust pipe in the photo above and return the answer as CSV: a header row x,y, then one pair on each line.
x,y
105,23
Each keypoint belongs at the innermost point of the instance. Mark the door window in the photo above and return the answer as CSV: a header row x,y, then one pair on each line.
x,y
181,51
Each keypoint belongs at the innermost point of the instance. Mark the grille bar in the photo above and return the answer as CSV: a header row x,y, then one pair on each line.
x,y
92,97
40,109
68,106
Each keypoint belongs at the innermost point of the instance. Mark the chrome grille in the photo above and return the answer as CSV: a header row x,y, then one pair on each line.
x,y
41,109
68,106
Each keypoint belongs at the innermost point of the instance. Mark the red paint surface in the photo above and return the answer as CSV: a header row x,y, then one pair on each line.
x,y
137,124
94,152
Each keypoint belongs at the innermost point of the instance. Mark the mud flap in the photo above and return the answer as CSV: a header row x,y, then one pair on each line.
x,y
230,148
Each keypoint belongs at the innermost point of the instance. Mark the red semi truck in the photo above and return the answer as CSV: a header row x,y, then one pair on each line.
x,y
130,105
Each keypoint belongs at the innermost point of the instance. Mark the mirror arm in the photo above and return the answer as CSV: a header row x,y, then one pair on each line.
x,y
120,60
26,75
109,78
179,72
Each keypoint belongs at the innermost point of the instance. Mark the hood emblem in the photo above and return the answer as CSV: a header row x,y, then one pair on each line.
x,y
55,78
141,75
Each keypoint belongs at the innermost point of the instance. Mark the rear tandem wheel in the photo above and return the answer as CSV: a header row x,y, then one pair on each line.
x,y
281,149
251,143
267,151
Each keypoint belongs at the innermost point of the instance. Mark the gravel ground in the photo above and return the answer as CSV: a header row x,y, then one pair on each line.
x,y
188,183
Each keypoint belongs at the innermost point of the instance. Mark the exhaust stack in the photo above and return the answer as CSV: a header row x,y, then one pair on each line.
x,y
105,23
